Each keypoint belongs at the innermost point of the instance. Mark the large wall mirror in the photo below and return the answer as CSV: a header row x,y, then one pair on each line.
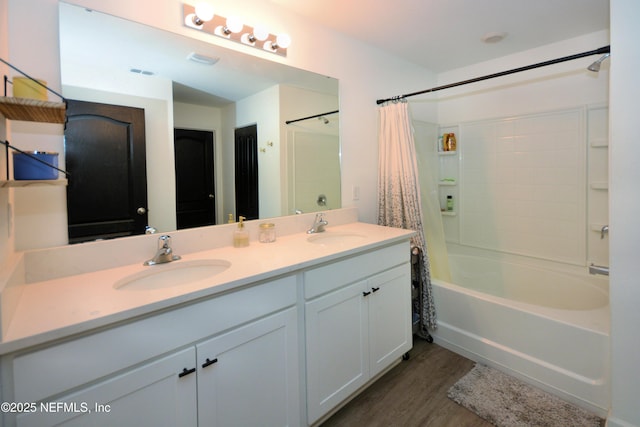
x,y
184,83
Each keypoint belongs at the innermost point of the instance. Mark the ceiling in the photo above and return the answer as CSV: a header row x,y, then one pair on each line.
x,y
443,35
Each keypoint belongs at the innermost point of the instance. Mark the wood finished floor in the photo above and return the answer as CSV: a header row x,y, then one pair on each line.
x,y
413,393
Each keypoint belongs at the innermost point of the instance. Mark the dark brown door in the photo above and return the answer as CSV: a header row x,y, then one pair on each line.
x,y
195,199
246,155
105,155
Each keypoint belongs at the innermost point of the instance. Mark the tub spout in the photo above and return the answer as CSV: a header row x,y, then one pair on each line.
x,y
598,269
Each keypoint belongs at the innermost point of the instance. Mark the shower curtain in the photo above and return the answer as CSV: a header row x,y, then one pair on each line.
x,y
399,194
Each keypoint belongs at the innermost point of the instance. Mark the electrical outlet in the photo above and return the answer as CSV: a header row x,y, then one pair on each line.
x,y
355,193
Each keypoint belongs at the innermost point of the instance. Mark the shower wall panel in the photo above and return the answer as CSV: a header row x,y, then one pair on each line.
x,y
523,185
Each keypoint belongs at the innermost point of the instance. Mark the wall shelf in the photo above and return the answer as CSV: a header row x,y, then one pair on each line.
x,y
450,183
599,143
599,185
33,183
447,153
448,213
33,110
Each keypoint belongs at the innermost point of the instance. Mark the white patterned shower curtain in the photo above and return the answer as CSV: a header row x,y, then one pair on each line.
x,y
399,194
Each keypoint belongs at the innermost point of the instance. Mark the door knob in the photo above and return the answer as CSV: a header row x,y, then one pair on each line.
x,y
141,211
211,196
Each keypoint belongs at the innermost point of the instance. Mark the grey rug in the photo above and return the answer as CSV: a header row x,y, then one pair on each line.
x,y
505,401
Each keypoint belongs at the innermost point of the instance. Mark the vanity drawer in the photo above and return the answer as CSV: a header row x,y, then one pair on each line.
x,y
320,280
61,367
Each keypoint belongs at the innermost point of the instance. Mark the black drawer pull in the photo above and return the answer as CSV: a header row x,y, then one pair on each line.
x,y
364,294
375,289
209,362
186,372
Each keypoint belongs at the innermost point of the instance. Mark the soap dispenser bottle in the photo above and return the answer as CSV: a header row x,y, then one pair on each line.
x,y
240,234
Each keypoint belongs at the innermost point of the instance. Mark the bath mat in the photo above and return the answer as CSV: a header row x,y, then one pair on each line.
x,y
505,401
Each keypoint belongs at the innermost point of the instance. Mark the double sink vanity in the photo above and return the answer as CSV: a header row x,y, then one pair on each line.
x,y
272,334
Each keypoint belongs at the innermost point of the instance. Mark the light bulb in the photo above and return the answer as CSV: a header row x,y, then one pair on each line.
x,y
283,41
260,32
204,12
234,24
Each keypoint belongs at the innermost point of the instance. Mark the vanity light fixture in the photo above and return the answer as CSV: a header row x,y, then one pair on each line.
x,y
202,17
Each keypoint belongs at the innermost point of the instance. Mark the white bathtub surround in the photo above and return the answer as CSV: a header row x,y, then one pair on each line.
x,y
399,202
51,293
523,185
546,326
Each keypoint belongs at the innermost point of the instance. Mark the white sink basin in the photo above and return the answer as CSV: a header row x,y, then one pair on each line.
x,y
172,274
335,238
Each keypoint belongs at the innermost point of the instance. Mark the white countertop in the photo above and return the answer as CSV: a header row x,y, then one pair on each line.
x,y
58,308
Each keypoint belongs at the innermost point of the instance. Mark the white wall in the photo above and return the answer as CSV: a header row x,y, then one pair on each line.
x,y
624,213
555,87
6,228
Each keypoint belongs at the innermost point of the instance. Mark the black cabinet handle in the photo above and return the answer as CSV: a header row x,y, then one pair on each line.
x,y
375,289
186,372
364,294
209,362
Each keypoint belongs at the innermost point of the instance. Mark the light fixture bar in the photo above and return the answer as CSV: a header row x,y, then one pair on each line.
x,y
219,26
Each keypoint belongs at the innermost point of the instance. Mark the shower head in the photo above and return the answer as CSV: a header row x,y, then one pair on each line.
x,y
595,67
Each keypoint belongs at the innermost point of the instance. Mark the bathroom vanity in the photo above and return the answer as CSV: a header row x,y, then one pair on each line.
x,y
278,333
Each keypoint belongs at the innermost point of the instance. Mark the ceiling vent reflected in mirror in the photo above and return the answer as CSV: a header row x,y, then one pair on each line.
x,y
143,72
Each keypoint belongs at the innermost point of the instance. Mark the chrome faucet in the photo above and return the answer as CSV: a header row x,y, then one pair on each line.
x,y
164,253
318,224
604,230
598,269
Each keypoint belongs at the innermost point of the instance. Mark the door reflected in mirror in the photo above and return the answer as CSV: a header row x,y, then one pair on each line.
x,y
106,59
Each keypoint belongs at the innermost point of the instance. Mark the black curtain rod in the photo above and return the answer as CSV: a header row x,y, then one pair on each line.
x,y
601,51
312,117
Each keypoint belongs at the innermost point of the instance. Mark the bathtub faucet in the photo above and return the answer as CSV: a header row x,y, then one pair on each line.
x,y
604,230
164,253
598,269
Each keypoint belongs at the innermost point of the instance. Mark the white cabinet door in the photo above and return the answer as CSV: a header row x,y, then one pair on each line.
x,y
337,343
353,334
249,376
153,394
390,334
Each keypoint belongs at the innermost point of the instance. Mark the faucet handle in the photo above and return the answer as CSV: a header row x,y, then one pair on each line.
x,y
164,241
603,230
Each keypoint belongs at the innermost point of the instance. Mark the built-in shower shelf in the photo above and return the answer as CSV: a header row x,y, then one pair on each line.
x,y
599,143
599,185
447,183
447,153
448,213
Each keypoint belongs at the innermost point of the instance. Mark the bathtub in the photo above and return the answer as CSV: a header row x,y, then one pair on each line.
x,y
548,328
